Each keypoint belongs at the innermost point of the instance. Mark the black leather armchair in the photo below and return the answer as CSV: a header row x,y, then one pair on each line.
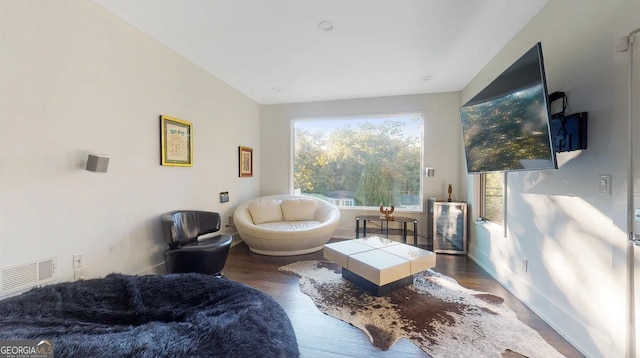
x,y
188,254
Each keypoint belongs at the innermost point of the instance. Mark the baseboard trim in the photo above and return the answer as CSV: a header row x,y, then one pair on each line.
x,y
557,313
344,234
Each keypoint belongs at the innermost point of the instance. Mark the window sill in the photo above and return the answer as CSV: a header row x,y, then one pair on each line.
x,y
491,227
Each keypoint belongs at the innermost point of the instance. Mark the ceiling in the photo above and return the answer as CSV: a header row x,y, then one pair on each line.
x,y
273,51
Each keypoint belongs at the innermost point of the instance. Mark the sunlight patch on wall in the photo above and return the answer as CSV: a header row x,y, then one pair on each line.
x,y
580,263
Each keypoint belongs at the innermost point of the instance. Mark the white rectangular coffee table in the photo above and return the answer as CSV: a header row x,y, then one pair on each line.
x,y
379,265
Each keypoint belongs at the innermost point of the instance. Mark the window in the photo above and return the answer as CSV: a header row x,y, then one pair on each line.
x,y
361,161
492,197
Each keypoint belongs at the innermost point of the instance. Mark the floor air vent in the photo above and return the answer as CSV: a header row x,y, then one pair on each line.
x,y
22,277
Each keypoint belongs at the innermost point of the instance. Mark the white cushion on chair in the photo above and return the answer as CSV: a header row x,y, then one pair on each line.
x,y
286,238
289,226
298,209
264,211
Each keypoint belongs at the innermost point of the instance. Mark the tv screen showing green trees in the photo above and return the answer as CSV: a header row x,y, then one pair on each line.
x,y
506,126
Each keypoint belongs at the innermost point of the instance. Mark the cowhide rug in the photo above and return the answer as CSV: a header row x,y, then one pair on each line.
x,y
437,314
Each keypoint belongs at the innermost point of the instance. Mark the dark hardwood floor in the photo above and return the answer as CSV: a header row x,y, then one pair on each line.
x,y
322,336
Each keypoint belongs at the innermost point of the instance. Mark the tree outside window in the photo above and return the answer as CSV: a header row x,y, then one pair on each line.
x,y
360,162
493,193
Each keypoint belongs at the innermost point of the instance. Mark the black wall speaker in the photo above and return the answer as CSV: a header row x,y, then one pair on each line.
x,y
97,163
569,133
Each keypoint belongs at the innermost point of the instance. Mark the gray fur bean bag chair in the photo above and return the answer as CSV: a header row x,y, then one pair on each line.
x,y
176,315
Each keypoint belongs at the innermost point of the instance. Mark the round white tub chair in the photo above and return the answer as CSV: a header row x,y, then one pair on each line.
x,y
285,225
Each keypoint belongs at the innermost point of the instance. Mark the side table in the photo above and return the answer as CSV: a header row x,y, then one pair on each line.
x,y
399,219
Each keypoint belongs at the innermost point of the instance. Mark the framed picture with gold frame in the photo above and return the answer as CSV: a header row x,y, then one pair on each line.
x,y
245,161
176,142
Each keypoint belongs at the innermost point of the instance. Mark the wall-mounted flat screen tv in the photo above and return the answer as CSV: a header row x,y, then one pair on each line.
x,y
505,127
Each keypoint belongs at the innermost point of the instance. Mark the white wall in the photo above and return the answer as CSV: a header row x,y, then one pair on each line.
x,y
74,79
442,143
572,236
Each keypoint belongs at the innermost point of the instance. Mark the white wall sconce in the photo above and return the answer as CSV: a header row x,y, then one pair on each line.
x,y
98,163
429,172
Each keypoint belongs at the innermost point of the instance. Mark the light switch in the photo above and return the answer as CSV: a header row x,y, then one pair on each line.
x,y
605,184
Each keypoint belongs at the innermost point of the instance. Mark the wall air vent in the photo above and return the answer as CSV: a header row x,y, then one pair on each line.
x,y
18,278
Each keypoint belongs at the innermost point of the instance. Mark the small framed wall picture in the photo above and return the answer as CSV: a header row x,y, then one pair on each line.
x,y
176,142
245,162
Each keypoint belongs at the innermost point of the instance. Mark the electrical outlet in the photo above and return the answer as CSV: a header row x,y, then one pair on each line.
x,y
525,264
78,261
605,184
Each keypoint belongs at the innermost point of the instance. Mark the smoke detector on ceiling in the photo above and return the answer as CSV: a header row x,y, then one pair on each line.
x,y
325,25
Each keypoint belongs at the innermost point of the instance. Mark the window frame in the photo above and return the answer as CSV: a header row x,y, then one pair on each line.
x,y
418,209
481,199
